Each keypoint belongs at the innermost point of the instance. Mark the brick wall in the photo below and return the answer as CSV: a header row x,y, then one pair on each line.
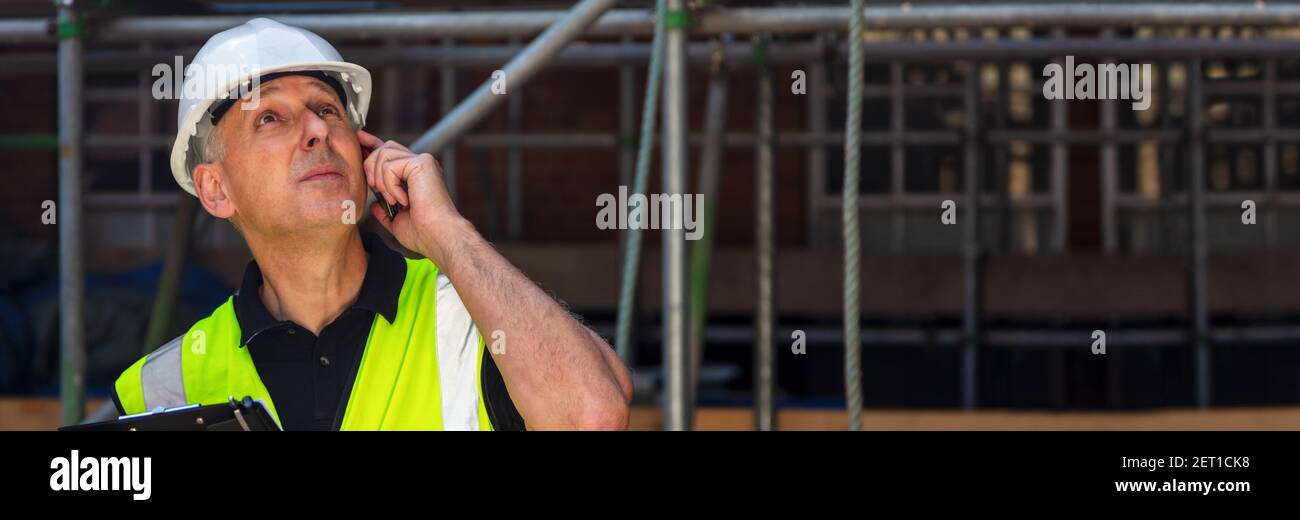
x,y
28,106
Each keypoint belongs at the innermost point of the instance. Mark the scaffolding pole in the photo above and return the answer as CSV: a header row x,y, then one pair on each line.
x,y
516,73
605,140
20,30
816,156
701,250
970,239
623,341
72,340
1060,168
1270,125
1109,167
515,165
897,156
618,22
447,103
590,55
1197,252
850,216
1089,14
621,22
627,152
676,363
765,344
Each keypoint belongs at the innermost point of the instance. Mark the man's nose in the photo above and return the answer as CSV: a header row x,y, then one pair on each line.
x,y
315,132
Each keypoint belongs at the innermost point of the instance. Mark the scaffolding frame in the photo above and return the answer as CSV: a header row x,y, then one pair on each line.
x,y
594,18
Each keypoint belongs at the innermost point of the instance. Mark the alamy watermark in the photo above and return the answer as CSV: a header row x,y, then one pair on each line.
x,y
654,211
207,81
77,473
1100,81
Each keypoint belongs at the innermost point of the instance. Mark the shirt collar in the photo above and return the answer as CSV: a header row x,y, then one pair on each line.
x,y
380,290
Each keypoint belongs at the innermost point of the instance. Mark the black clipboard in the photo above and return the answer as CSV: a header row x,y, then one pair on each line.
x,y
243,415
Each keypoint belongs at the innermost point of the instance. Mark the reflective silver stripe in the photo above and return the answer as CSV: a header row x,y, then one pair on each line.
x,y
458,352
160,376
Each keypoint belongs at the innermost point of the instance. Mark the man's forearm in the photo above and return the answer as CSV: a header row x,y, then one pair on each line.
x,y
559,373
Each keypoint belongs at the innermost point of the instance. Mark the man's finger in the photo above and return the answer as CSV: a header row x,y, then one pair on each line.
x,y
368,166
370,179
368,139
374,160
397,146
378,165
392,174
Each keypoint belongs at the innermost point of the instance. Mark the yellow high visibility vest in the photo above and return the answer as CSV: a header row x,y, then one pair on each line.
x,y
415,374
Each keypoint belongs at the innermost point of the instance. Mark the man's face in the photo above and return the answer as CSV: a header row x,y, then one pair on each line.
x,y
292,162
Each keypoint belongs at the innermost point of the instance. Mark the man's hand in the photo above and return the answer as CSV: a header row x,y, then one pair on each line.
x,y
559,374
414,181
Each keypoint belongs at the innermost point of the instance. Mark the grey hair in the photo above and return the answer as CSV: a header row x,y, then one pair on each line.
x,y
214,148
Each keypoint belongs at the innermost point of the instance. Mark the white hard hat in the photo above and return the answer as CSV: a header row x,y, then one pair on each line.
x,y
232,59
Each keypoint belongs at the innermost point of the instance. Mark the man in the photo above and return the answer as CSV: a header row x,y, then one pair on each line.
x,y
331,329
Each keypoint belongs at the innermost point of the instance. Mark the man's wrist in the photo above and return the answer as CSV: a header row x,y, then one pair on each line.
x,y
442,241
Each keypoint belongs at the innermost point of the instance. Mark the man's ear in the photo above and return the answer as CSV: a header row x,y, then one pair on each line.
x,y
209,183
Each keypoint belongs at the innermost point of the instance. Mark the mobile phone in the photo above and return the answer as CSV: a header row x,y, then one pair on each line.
x,y
390,209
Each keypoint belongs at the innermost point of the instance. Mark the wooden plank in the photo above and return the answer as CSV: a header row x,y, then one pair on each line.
x,y
18,413
648,418
36,413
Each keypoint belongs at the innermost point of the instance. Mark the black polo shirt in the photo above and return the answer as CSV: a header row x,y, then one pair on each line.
x,y
310,377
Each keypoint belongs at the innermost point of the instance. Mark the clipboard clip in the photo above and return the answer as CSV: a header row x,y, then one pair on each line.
x,y
239,407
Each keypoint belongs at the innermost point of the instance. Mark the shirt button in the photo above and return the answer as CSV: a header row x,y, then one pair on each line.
x,y
324,361
292,331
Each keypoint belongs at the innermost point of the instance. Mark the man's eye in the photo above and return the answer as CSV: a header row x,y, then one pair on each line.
x,y
327,110
266,118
